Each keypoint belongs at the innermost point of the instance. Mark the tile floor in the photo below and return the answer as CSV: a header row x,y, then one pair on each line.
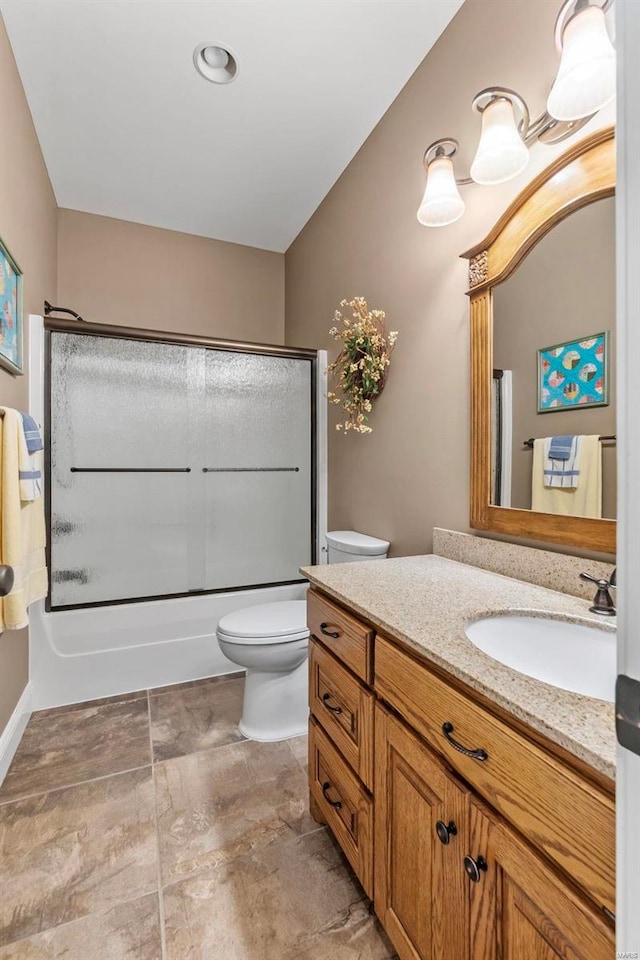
x,y
144,827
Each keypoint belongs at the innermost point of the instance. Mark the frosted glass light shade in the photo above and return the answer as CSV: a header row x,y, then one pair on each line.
x,y
442,203
586,79
501,153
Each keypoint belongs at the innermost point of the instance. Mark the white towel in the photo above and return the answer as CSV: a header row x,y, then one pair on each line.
x,y
585,500
30,471
562,473
22,530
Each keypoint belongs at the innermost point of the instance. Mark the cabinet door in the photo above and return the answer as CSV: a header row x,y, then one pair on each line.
x,y
519,906
421,893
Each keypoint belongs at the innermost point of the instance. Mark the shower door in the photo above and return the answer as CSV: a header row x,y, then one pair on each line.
x,y
175,469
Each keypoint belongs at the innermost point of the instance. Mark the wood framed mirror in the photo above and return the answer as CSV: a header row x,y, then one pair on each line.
x,y
542,305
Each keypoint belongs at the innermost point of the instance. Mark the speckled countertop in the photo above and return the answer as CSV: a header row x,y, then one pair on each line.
x,y
425,602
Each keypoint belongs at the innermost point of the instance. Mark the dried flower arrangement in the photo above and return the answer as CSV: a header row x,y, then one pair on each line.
x,y
361,368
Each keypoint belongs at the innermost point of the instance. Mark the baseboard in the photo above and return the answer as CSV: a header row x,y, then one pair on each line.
x,y
12,733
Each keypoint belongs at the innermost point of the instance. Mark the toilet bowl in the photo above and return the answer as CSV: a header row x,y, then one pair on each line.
x,y
271,641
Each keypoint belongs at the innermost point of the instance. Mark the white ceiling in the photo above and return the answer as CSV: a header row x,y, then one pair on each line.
x,y
130,130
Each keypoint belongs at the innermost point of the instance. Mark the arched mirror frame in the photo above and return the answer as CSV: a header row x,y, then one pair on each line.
x,y
582,175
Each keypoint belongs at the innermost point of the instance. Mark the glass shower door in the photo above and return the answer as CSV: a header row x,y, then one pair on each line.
x,y
120,468
258,468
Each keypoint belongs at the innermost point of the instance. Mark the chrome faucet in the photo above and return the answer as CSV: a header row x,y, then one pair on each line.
x,y
602,603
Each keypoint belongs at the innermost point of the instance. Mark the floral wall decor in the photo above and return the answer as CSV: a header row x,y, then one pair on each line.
x,y
360,370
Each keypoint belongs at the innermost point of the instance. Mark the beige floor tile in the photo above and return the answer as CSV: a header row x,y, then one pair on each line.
x,y
294,900
85,704
195,717
128,931
216,805
59,749
72,852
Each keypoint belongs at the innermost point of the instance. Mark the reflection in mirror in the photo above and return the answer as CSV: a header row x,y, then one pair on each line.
x,y
554,372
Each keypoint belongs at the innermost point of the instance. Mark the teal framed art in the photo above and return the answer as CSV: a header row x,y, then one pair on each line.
x,y
10,312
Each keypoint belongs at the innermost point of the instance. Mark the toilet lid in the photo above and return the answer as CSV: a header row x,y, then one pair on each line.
x,y
266,623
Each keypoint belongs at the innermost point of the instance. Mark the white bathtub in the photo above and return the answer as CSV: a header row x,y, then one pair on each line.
x,y
78,655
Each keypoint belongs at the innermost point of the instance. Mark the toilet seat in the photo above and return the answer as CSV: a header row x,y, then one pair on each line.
x,y
267,623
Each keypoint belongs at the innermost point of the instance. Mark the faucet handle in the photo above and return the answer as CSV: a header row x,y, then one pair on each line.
x,y
599,582
602,603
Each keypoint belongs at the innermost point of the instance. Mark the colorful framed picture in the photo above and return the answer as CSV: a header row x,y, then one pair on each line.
x,y
574,374
10,312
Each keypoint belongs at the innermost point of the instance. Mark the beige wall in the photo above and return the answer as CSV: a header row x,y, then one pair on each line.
x,y
412,472
113,271
28,228
564,290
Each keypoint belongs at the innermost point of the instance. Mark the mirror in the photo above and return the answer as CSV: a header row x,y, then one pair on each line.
x,y
543,419
554,371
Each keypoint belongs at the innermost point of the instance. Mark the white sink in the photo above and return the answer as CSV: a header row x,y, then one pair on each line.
x,y
573,656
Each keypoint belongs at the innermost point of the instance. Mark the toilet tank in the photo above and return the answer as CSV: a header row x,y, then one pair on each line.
x,y
347,546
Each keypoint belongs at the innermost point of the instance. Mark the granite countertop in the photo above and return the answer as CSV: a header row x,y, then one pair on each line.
x,y
425,602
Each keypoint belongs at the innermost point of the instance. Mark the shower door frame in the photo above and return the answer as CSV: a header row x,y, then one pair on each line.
x,y
116,332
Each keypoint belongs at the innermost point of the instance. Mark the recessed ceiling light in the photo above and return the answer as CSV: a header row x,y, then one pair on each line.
x,y
215,62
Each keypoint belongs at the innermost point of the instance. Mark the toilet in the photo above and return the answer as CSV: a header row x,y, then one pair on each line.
x,y
271,641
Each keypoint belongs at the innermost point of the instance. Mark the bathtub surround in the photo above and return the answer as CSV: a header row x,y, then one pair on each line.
x,y
174,837
556,571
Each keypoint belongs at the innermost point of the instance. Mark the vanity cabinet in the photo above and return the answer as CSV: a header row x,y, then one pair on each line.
x,y
474,840
421,836
519,906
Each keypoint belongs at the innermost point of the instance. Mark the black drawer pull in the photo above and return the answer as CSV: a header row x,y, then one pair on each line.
x,y
473,868
328,633
334,803
325,699
445,831
478,754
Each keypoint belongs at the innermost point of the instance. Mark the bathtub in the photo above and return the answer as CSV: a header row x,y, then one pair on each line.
x,y
84,654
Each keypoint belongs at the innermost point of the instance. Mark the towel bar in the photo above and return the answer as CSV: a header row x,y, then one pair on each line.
x,y
530,441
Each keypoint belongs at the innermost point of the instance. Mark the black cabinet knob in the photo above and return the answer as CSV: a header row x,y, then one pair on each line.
x,y
474,868
6,579
445,831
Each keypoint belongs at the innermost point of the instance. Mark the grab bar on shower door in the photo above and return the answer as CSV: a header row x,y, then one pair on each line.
x,y
130,469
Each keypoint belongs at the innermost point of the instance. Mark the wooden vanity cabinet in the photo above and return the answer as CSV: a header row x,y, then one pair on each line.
x,y
421,836
520,907
499,853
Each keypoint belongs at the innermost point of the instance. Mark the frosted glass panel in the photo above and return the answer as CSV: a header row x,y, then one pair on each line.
x,y
258,454
118,404
175,469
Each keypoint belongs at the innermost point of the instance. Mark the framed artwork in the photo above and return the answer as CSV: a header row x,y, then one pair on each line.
x,y
574,374
10,312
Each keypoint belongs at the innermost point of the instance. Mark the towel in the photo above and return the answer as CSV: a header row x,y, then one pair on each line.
x,y
560,448
30,473
22,530
562,461
584,500
32,433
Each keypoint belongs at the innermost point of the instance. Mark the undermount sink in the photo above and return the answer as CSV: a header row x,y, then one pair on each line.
x,y
572,656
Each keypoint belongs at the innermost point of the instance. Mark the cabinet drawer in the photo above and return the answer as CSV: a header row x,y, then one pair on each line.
x,y
347,638
560,812
344,708
343,802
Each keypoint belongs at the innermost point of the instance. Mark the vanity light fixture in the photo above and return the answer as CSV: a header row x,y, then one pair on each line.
x,y
584,84
586,79
502,152
441,203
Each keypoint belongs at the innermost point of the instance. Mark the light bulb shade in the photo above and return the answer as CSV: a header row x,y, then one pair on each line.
x,y
502,153
586,79
442,203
